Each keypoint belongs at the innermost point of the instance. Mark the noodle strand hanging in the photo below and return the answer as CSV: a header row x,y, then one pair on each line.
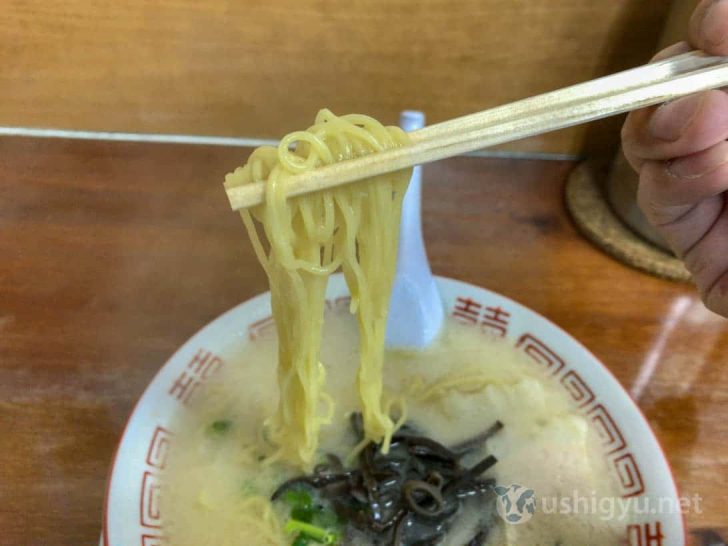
x,y
352,227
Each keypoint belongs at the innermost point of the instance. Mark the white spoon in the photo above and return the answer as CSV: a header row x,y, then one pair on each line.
x,y
415,310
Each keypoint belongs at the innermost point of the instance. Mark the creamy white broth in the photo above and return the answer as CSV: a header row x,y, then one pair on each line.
x,y
544,445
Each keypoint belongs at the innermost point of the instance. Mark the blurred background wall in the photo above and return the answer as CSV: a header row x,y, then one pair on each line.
x,y
256,68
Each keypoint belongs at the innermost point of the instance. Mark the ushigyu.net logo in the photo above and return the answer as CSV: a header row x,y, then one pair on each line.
x,y
516,504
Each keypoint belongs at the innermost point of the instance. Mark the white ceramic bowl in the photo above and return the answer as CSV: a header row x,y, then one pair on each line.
x,y
131,513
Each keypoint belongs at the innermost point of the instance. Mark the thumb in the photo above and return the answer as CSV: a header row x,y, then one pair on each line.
x,y
709,27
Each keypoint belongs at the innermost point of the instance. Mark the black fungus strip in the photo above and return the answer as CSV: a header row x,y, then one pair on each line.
x,y
400,530
479,440
423,498
469,475
429,449
408,497
475,488
482,466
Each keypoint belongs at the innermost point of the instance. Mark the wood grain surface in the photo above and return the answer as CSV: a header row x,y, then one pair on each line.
x,y
114,254
261,69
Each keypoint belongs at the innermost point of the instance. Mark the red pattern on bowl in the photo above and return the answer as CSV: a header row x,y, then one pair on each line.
x,y
132,514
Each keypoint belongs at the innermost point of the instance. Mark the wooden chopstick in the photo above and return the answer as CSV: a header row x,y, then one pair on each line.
x,y
629,79
630,90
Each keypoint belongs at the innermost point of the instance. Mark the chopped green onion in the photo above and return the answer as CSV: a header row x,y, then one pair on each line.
x,y
298,498
316,533
221,426
300,540
302,514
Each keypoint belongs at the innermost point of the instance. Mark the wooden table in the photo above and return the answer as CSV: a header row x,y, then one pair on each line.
x,y
112,254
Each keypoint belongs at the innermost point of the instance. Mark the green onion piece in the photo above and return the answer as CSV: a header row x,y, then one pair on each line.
x,y
221,426
300,513
300,540
316,533
298,498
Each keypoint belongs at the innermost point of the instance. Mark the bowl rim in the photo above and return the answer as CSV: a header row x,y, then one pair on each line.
x,y
441,280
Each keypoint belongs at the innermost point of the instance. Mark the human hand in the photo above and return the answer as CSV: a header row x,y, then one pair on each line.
x,y
680,152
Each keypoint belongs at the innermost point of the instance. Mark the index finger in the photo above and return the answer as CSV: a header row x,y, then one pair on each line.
x,y
709,27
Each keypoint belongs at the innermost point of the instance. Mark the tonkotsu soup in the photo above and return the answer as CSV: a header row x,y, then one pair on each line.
x,y
220,479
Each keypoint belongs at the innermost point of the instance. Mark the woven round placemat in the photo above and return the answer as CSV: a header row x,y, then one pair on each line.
x,y
595,219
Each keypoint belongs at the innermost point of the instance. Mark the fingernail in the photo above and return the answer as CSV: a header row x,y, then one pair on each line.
x,y
712,26
699,165
670,120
